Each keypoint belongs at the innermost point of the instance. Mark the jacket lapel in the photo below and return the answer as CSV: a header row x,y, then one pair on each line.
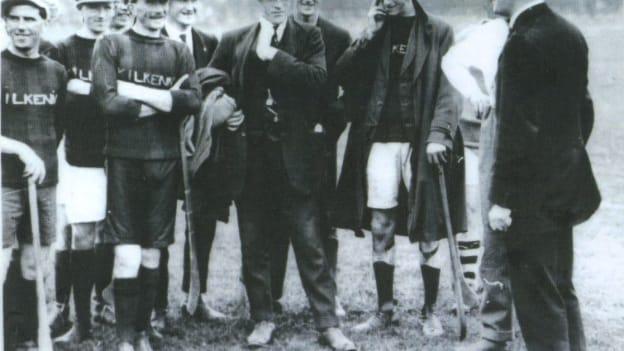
x,y
199,47
418,46
242,51
289,40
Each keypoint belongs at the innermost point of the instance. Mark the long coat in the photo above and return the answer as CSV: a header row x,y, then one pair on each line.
x,y
436,105
541,170
298,73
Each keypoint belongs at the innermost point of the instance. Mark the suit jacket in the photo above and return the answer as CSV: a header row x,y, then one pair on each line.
x,y
204,46
542,171
298,73
363,70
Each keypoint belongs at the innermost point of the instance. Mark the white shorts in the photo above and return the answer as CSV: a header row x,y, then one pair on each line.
x,y
388,165
82,191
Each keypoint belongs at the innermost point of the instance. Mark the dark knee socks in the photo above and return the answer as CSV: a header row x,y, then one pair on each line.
x,y
82,281
63,274
162,301
384,277
104,260
148,280
126,291
431,281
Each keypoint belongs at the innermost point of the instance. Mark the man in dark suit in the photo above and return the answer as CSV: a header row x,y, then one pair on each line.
x,y
277,67
336,40
542,184
181,17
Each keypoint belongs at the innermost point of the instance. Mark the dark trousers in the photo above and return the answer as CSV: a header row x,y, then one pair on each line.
x,y
270,208
205,227
279,259
540,267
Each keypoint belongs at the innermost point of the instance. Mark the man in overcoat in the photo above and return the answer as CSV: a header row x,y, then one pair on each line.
x,y
542,182
404,117
277,68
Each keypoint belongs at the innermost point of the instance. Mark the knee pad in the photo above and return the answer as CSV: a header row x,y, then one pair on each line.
x,y
127,261
150,258
83,236
387,256
430,253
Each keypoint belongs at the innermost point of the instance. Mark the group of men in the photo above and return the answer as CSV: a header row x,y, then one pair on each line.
x,y
269,102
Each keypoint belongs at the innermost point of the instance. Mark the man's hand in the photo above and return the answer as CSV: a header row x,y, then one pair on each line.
x,y
147,111
264,50
480,102
235,121
436,153
78,87
34,167
500,218
376,19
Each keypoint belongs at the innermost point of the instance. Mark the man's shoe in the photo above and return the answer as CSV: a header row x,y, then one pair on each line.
x,y
484,345
432,326
334,338
104,312
125,346
142,342
68,337
261,335
27,346
204,313
340,311
60,325
379,320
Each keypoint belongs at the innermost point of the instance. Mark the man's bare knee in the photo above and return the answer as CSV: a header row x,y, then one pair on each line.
x,y
150,258
382,222
127,261
5,262
430,253
28,262
83,236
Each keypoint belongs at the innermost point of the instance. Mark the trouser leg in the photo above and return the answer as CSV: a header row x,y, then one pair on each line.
x,y
255,246
279,262
535,261
303,216
205,226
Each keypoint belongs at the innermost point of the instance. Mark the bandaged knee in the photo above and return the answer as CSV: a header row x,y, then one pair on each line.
x,y
387,256
127,261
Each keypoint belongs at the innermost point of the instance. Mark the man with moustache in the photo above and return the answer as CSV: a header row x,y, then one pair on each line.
x,y
278,70
181,17
142,155
82,183
333,121
33,89
542,181
404,117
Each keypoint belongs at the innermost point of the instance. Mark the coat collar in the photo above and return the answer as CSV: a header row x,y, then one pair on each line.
x,y
528,15
419,42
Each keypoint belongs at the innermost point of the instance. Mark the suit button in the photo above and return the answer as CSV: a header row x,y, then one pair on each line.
x,y
243,134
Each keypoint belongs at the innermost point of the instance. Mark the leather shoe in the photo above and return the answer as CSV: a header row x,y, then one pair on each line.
x,y
483,345
379,320
142,342
261,335
334,338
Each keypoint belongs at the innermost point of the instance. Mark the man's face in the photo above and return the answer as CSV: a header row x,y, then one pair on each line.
x,y
308,7
97,16
24,25
151,13
503,7
123,15
275,11
183,12
394,7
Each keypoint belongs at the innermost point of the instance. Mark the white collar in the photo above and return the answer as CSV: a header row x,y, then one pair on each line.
x,y
266,25
174,33
523,9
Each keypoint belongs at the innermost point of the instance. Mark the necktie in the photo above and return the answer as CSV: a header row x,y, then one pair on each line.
x,y
274,40
183,38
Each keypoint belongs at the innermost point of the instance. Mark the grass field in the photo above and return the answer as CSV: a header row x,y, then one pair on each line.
x,y
599,249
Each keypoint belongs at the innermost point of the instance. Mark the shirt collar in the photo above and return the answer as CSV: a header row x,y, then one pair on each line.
x,y
266,25
523,9
174,33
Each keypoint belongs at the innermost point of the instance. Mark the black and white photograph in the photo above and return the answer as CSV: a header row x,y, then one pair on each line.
x,y
349,175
